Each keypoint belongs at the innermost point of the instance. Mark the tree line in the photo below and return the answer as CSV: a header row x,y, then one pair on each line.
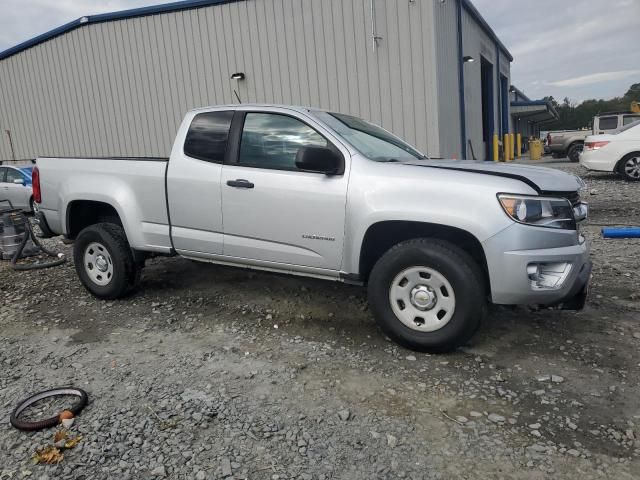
x,y
574,116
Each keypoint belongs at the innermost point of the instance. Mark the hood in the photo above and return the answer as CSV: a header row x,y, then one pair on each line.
x,y
541,179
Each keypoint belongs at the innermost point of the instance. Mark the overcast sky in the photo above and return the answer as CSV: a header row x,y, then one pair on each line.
x,y
576,48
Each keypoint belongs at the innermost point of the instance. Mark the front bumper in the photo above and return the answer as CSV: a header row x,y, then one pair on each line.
x,y
510,252
576,298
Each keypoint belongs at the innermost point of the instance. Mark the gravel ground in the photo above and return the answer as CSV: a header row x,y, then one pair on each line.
x,y
209,372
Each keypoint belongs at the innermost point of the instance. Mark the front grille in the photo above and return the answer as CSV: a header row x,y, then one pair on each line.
x,y
573,197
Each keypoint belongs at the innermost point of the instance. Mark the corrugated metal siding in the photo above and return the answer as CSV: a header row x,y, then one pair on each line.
x,y
446,41
121,87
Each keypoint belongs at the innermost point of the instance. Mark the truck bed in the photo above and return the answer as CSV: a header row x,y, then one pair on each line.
x,y
132,184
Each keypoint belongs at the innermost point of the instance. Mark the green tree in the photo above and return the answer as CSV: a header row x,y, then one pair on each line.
x,y
574,116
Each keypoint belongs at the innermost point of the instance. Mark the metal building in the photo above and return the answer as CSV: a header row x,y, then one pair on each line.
x,y
431,71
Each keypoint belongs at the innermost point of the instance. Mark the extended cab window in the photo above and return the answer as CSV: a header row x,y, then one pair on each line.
x,y
207,136
627,119
270,140
608,123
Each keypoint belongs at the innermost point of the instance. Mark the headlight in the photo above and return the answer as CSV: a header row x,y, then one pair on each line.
x,y
539,211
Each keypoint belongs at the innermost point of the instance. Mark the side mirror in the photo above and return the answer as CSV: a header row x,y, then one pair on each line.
x,y
19,181
320,159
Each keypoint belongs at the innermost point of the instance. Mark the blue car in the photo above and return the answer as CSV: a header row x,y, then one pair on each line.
x,y
16,186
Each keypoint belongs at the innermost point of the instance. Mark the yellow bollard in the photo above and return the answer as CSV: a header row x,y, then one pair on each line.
x,y
519,145
496,156
505,148
511,147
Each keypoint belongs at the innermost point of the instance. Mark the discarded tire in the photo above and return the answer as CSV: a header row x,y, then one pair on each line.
x,y
29,426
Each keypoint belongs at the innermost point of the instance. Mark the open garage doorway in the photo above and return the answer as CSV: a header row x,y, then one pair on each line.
x,y
486,74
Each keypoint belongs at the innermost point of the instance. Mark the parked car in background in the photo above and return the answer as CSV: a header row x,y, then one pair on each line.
x,y
569,143
614,152
15,186
331,196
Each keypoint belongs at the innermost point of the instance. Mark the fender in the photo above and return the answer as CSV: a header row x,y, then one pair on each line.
x,y
146,226
437,196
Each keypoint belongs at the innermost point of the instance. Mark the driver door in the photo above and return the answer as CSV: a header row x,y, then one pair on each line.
x,y
273,213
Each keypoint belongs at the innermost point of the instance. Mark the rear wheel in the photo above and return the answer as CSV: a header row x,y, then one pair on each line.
x,y
629,167
104,261
427,295
574,152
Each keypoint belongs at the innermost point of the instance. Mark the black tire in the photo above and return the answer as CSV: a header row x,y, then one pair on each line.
x,y
125,271
31,426
573,154
458,268
622,167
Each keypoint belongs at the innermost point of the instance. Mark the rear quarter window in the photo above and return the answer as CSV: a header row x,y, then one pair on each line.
x,y
208,135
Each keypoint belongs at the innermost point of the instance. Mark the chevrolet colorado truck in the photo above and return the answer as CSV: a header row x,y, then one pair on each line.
x,y
320,194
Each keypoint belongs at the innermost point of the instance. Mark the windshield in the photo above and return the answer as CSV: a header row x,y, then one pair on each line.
x,y
27,171
628,127
372,141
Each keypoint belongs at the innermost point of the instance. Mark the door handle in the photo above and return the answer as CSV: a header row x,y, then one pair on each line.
x,y
240,183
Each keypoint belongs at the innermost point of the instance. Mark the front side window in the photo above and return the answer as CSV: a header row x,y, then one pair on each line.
x,y
207,136
608,123
13,175
371,140
270,140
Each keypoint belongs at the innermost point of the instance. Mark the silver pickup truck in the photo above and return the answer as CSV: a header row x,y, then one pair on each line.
x,y
326,195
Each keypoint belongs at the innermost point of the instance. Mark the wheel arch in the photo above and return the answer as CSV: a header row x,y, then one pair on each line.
x,y
623,158
383,235
83,213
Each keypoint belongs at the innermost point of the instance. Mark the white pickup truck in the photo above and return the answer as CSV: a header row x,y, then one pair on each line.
x,y
320,194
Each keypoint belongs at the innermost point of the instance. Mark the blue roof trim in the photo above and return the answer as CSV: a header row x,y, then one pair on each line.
x,y
105,17
529,103
537,103
485,26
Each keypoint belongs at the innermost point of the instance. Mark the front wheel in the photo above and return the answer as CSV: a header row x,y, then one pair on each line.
x,y
104,261
427,295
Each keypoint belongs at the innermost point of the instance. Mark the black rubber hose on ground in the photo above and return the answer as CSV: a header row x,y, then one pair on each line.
x,y
34,266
